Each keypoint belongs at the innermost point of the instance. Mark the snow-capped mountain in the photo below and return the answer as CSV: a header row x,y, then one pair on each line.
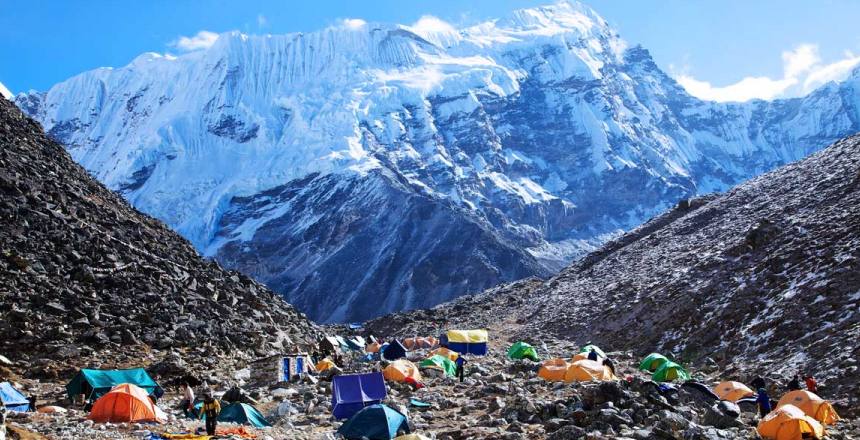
x,y
367,168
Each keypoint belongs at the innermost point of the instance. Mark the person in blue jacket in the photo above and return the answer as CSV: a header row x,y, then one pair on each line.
x,y
763,401
461,362
592,355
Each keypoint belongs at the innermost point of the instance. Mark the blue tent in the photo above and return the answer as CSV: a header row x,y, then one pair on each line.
x,y
376,422
467,341
352,392
393,351
13,399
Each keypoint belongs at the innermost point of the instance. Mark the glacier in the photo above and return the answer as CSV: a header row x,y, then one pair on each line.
x,y
367,168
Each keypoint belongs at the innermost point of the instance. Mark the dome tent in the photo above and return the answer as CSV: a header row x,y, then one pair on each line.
x,y
521,350
375,422
652,362
788,422
670,371
733,391
811,405
126,403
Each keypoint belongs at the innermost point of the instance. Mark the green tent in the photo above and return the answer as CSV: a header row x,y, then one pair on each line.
x,y
440,363
652,362
670,371
521,350
95,383
243,414
589,347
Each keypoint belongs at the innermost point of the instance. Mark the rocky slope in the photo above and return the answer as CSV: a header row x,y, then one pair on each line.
x,y
764,279
85,279
533,137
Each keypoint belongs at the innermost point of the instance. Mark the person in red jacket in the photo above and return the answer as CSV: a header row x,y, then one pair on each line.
x,y
811,384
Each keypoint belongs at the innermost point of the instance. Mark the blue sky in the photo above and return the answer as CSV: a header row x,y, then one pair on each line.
x,y
724,50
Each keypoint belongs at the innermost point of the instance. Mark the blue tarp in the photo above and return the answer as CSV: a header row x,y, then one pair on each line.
x,y
377,422
393,351
352,392
13,399
95,383
476,348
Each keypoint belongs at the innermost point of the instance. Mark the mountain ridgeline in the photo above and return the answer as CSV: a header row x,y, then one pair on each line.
x,y
761,280
369,168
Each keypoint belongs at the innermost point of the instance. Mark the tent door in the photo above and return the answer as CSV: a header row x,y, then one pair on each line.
x,y
286,369
300,365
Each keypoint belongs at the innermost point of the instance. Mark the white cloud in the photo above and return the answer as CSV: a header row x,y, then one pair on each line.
x,y
203,40
5,92
353,23
802,73
262,21
431,24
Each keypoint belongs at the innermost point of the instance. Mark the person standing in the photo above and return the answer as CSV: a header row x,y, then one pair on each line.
x,y
763,402
592,355
187,403
609,364
758,382
461,362
794,384
211,409
811,384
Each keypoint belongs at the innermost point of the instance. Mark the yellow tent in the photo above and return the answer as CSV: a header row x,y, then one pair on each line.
x,y
468,336
811,405
733,391
553,370
412,437
586,370
400,369
788,422
444,352
324,364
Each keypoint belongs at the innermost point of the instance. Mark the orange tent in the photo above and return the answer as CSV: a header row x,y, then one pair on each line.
x,y
586,370
788,422
444,352
400,369
553,370
733,391
126,403
419,342
811,405
373,347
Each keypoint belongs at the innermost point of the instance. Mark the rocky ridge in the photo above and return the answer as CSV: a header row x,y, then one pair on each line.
x,y
86,280
764,279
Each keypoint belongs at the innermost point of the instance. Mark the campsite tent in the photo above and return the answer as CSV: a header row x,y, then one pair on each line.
x,y
352,392
420,342
732,391
444,352
243,414
788,422
587,370
670,371
394,350
355,343
652,362
126,403
373,347
553,370
811,405
441,363
468,341
521,350
13,399
400,369
324,365
95,383
332,344
412,437
376,422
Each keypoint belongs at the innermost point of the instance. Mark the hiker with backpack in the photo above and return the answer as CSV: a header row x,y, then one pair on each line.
x,y
211,409
461,362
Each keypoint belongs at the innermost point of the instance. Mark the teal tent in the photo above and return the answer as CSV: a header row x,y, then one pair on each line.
x,y
375,422
243,414
95,383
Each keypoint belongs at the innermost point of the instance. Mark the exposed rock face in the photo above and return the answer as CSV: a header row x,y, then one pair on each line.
x,y
83,273
539,131
764,279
